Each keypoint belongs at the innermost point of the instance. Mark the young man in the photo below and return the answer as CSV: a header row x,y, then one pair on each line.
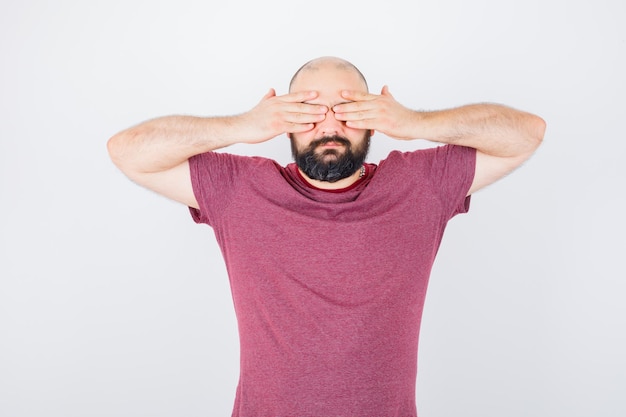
x,y
328,257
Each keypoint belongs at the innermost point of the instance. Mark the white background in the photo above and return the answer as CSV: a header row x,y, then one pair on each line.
x,y
114,303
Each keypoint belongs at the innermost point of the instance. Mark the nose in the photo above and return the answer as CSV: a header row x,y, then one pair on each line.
x,y
329,126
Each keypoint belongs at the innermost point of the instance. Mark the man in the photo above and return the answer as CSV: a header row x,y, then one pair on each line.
x,y
329,257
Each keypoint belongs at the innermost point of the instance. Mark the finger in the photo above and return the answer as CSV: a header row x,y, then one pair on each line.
x,y
299,127
307,108
304,117
385,91
359,102
270,94
299,97
354,116
354,95
366,124
302,113
356,110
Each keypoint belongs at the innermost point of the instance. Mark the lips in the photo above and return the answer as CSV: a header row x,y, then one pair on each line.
x,y
331,141
331,144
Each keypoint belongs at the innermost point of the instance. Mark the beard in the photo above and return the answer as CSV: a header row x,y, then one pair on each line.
x,y
331,165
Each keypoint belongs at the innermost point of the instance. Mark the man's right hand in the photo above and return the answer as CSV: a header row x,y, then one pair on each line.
x,y
275,115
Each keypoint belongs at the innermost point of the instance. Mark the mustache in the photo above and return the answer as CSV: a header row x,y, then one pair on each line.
x,y
326,139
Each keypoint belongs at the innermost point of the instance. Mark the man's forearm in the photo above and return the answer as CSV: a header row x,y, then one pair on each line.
x,y
493,129
163,143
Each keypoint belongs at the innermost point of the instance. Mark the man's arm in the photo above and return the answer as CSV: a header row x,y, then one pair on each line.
x,y
155,153
503,137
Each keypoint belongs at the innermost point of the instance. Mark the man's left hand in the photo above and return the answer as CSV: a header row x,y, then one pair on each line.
x,y
377,112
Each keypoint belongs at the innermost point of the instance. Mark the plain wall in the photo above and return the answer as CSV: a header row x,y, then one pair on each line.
x,y
114,303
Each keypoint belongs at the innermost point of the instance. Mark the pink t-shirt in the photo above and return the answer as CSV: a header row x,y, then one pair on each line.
x,y
329,287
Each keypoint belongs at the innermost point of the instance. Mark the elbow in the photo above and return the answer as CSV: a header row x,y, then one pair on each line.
x,y
540,128
121,150
122,146
537,130
115,146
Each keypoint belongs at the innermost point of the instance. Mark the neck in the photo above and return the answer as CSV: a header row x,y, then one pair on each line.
x,y
337,185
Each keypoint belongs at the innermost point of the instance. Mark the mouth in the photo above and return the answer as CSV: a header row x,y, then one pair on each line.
x,y
331,144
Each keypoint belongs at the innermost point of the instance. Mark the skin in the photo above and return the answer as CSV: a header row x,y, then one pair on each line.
x,y
327,96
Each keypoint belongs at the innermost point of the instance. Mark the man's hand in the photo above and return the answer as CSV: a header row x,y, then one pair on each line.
x,y
377,112
275,115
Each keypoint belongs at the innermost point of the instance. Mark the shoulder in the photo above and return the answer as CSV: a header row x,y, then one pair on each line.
x,y
217,157
430,167
412,159
221,170
223,162
427,158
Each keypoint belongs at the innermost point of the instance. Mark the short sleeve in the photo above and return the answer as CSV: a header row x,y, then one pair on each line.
x,y
451,172
214,178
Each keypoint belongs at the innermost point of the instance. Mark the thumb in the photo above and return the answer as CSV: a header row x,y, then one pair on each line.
x,y
271,93
385,91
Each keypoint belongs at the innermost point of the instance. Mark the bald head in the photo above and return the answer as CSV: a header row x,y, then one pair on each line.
x,y
326,62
